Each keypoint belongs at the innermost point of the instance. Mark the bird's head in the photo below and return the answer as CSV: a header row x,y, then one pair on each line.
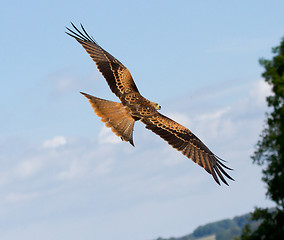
x,y
156,106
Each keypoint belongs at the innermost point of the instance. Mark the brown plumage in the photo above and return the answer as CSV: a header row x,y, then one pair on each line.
x,y
120,117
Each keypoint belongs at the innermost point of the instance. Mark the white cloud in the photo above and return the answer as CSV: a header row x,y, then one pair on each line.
x,y
234,120
256,97
213,115
107,136
65,84
104,167
28,168
67,80
171,157
55,142
213,124
259,91
181,118
20,197
75,169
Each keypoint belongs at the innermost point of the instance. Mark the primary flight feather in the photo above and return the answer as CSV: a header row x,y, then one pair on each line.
x,y
120,117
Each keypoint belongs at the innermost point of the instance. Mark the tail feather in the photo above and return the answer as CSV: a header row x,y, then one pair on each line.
x,y
115,116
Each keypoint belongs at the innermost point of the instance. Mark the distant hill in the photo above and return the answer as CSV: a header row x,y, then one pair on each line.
x,y
221,230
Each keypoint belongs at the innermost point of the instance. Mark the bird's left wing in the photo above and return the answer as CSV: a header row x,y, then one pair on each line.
x,y
117,76
182,139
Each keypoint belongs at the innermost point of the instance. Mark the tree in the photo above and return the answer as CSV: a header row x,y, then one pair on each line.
x,y
270,153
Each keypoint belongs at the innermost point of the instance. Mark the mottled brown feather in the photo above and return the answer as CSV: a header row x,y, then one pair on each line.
x,y
182,139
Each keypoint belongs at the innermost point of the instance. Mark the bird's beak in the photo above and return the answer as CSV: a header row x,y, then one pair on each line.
x,y
158,107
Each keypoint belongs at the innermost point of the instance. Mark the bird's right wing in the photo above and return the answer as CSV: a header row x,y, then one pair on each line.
x,y
117,76
182,139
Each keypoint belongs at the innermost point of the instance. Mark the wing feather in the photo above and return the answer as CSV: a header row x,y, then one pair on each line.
x,y
182,139
116,74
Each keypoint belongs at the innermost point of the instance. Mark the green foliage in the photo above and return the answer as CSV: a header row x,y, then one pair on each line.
x,y
270,153
270,228
270,148
223,230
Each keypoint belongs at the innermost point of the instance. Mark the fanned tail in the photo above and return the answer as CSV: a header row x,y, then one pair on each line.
x,y
115,116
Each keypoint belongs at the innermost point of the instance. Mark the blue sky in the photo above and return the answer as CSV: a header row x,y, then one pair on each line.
x,y
65,176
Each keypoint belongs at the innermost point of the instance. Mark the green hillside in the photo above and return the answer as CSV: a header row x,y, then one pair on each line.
x,y
221,230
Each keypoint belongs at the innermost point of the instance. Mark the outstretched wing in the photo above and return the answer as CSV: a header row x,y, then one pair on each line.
x,y
117,76
182,139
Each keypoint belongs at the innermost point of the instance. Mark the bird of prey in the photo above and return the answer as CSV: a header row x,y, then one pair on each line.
x,y
120,117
